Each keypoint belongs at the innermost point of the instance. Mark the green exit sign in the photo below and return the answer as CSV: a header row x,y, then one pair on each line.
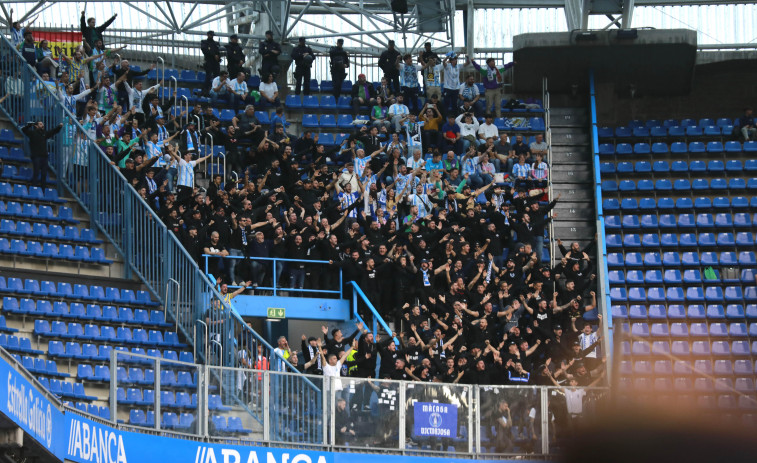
x,y
274,312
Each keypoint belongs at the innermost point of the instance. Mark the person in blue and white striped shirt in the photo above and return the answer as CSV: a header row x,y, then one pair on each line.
x,y
347,197
186,181
521,171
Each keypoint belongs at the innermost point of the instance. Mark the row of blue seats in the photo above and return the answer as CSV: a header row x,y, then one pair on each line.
x,y
723,405
44,212
686,122
92,409
146,397
681,184
703,220
683,203
13,154
53,251
721,367
168,378
53,232
170,420
77,291
673,277
678,311
699,385
645,167
685,259
233,426
677,294
8,136
42,367
15,343
686,348
694,330
121,335
22,174
102,353
679,147
62,388
330,121
328,102
77,311
632,240
677,131
33,193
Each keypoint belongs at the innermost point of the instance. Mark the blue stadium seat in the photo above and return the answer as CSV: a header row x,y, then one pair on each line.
x,y
650,240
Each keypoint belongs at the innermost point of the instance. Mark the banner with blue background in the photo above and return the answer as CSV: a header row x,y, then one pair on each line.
x,y
434,420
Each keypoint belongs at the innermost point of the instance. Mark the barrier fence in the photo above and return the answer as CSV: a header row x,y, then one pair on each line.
x,y
343,413
149,250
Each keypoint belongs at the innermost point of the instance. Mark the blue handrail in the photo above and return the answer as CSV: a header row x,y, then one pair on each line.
x,y
275,260
377,318
602,270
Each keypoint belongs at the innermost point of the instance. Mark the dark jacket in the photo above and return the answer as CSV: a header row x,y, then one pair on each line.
x,y
93,34
38,139
210,49
234,56
370,89
298,53
388,62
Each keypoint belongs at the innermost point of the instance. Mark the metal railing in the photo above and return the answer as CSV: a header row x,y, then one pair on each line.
x,y
344,413
603,284
273,269
376,319
149,250
548,137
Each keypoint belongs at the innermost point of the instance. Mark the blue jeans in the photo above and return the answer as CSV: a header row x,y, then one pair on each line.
x,y
233,263
171,174
215,96
479,180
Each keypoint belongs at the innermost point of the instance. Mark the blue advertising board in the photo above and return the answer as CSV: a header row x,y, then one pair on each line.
x,y
434,420
30,409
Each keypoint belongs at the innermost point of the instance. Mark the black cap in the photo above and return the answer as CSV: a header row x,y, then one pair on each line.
x,y
268,32
557,327
233,36
576,343
301,40
424,261
211,33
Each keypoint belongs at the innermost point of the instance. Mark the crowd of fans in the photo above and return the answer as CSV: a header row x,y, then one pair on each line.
x,y
440,218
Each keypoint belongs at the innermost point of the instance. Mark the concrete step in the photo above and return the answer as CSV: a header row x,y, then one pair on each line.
x,y
569,136
573,192
571,154
575,210
572,173
571,231
114,270
568,117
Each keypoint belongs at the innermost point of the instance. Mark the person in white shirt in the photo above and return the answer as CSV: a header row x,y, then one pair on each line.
x,y
431,72
468,129
488,129
219,88
239,92
269,92
399,113
137,97
186,181
332,367
451,81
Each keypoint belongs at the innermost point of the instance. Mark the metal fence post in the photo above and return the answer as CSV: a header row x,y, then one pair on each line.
x,y
470,418
477,428
266,406
202,400
127,236
402,403
157,393
113,386
545,420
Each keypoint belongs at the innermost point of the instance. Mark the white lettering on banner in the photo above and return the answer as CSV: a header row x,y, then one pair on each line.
x,y
434,408
96,444
208,455
29,410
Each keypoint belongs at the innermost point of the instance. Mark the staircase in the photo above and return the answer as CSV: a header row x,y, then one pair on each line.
x,y
572,176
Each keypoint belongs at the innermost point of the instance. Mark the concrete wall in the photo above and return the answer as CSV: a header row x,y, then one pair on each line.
x,y
720,89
